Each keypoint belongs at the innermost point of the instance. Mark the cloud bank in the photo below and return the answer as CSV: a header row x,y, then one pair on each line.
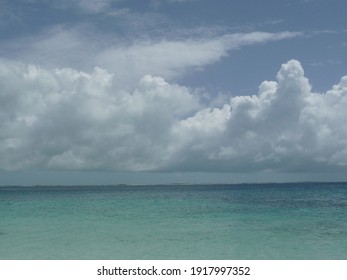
x,y
65,119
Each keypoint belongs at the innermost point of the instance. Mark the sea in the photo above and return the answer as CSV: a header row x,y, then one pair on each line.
x,y
291,221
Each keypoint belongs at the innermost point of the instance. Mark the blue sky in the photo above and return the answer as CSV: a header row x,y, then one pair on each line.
x,y
161,91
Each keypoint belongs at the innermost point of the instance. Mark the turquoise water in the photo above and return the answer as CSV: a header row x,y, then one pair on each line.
x,y
249,221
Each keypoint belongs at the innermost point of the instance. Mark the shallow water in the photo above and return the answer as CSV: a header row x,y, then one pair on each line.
x,y
248,221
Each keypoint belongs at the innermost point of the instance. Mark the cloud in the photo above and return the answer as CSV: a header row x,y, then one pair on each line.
x,y
68,119
158,2
73,120
129,60
285,127
172,58
94,6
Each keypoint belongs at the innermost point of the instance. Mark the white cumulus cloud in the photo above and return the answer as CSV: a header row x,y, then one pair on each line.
x,y
285,127
69,119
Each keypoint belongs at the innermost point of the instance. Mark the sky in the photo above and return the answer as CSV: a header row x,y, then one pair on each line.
x,y
172,91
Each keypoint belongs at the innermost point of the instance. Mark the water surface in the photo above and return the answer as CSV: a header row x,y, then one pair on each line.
x,y
247,221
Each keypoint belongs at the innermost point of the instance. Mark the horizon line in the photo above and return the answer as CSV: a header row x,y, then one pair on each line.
x,y
171,184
